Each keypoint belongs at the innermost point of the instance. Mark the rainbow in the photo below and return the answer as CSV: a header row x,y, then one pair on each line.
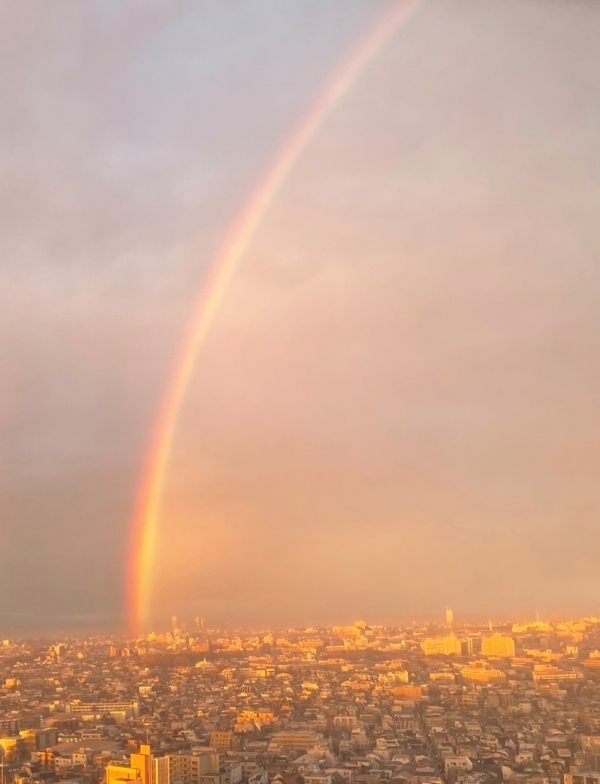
x,y
147,511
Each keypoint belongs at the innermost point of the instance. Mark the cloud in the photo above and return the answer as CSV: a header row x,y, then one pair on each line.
x,y
398,397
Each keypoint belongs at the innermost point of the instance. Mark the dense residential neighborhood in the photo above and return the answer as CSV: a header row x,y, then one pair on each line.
x,y
351,704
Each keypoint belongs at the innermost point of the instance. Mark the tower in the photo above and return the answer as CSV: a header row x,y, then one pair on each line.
x,y
449,617
174,624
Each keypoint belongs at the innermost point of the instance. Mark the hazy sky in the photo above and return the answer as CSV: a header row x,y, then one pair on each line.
x,y
397,408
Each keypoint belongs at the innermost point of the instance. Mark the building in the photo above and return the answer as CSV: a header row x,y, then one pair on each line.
x,y
175,624
500,645
250,717
482,672
200,625
449,617
13,749
38,740
160,770
222,741
345,722
442,646
139,769
185,768
590,745
345,632
582,778
452,763
118,710
300,740
10,727
547,672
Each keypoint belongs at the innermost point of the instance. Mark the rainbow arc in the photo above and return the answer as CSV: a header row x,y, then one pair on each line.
x,y
146,519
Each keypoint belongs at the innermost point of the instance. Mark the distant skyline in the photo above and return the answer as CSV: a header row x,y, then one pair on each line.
x,y
396,408
162,626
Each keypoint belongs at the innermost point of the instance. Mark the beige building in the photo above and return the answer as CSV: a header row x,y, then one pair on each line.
x,y
301,740
582,778
185,768
453,762
345,722
222,741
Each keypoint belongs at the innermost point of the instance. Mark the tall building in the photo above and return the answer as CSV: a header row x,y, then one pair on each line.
x,y
160,770
175,623
139,769
449,617
200,624
500,645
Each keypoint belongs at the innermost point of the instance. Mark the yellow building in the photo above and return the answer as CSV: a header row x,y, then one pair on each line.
x,y
260,716
346,631
138,770
441,646
500,645
14,749
408,692
531,626
549,673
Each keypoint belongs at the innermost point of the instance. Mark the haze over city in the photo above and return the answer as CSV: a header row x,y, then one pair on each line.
x,y
395,407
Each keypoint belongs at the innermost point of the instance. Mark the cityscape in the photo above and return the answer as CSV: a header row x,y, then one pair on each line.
x,y
299,391
451,703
